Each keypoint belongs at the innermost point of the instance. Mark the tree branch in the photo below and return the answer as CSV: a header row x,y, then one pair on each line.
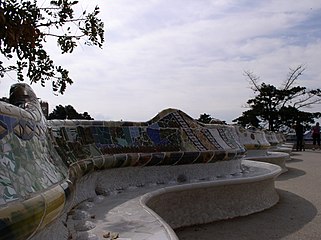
x,y
308,101
55,35
51,23
293,76
253,80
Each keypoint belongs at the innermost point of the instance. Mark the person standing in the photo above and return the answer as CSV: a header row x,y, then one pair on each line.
x,y
316,135
299,130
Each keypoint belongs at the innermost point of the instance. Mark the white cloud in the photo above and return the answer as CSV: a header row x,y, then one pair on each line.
x,y
189,55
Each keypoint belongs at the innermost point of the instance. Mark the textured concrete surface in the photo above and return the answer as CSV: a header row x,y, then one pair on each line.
x,y
295,217
149,212
277,158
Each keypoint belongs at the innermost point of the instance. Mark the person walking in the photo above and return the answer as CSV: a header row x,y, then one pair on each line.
x,y
299,130
316,135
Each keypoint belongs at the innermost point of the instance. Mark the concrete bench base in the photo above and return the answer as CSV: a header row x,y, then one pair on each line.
x,y
152,211
283,149
277,158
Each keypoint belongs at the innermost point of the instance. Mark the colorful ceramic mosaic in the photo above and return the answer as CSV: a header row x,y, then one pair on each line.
x,y
252,139
41,162
170,131
272,138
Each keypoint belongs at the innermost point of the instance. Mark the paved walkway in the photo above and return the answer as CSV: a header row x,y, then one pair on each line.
x,y
297,216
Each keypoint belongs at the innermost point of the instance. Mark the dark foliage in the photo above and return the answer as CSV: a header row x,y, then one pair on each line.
x,y
24,28
205,118
278,108
68,112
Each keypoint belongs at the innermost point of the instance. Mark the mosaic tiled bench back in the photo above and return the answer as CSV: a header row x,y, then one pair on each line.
x,y
272,138
170,131
253,139
40,161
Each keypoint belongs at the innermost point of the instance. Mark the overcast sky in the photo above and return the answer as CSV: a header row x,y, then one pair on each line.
x,y
187,54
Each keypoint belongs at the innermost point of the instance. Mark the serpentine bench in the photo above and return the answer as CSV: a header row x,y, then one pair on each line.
x,y
277,144
259,148
161,174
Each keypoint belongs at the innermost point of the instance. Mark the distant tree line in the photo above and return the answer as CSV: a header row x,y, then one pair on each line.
x,y
68,112
62,112
207,119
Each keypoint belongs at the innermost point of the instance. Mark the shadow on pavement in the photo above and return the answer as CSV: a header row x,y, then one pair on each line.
x,y
290,214
291,173
294,160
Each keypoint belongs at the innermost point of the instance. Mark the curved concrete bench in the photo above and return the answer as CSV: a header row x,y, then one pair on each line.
x,y
205,202
154,211
50,167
